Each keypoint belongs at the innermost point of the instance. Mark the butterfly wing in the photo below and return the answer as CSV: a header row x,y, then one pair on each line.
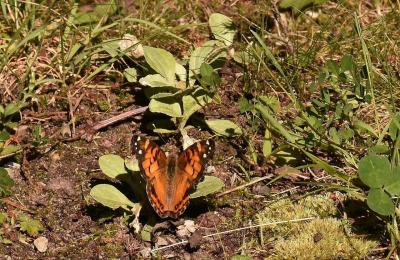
x,y
189,171
153,168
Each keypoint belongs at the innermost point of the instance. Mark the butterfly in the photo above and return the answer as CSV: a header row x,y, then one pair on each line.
x,y
170,178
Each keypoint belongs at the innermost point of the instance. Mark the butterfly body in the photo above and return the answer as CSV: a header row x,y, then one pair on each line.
x,y
169,178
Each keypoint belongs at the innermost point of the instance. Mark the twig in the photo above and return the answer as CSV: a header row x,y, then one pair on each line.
x,y
244,185
15,205
88,135
232,231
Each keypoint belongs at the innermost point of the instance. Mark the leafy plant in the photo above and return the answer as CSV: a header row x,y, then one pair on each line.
x,y
5,183
179,88
127,171
29,225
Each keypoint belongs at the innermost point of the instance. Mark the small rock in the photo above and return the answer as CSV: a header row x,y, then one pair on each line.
x,y
41,244
146,252
55,156
61,185
195,240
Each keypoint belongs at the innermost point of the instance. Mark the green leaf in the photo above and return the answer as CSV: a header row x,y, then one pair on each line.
x,y
380,202
112,165
145,233
192,103
5,183
111,47
374,171
208,53
130,74
299,4
166,106
275,124
379,149
3,217
9,149
209,185
29,225
162,62
394,127
208,76
11,109
224,127
393,188
132,165
180,71
271,102
155,80
360,125
104,9
4,135
110,196
244,105
267,144
222,27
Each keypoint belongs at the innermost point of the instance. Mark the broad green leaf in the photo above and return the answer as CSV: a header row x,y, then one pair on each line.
x,y
85,18
180,71
224,127
9,149
112,165
208,53
110,196
105,9
132,165
111,47
379,149
393,187
209,185
164,131
374,171
192,103
299,4
167,107
162,62
11,109
167,125
222,27
130,74
380,202
155,80
5,183
347,63
208,76
29,225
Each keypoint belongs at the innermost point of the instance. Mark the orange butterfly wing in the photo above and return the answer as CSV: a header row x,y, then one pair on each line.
x,y
189,171
169,179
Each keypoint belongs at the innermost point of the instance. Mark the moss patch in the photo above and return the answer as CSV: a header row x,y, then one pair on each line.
x,y
326,237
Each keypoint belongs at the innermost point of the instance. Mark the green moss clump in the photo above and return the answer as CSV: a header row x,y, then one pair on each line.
x,y
103,105
325,237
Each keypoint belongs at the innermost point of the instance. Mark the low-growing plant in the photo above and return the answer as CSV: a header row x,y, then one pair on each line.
x,y
127,171
179,88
